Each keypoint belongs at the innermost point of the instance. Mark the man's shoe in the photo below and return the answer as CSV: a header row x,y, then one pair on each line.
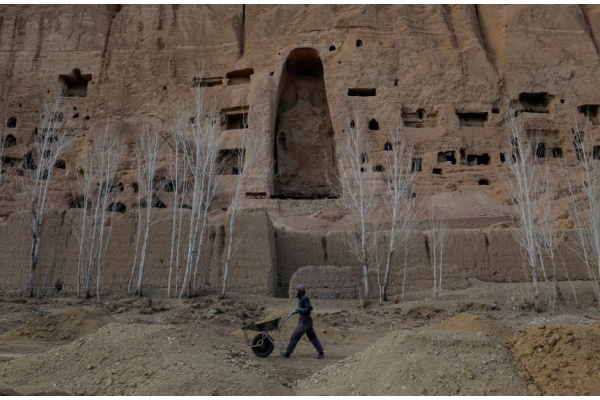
x,y
320,356
285,354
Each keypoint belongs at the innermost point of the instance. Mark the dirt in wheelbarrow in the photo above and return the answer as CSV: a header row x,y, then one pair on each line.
x,y
476,341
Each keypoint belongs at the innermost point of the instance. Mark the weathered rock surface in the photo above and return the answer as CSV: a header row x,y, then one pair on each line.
x,y
446,73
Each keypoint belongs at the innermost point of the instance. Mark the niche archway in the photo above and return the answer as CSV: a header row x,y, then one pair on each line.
x,y
303,148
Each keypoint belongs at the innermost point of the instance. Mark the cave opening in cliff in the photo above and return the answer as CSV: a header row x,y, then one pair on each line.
x,y
9,141
304,164
446,156
362,92
364,158
535,102
388,146
437,171
478,159
502,157
373,125
207,82
75,84
540,151
11,122
235,118
157,203
378,168
117,207
229,161
29,162
590,111
483,182
416,164
79,202
60,164
596,153
239,77
472,119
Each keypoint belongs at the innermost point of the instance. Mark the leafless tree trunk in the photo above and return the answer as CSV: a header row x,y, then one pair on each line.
x,y
437,241
584,188
148,151
251,172
547,234
352,154
203,143
50,142
400,176
100,169
522,182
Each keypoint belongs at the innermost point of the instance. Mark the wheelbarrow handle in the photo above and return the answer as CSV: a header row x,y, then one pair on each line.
x,y
285,319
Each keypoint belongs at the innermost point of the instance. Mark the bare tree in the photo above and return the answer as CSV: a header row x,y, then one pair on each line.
x,y
546,231
437,240
50,141
201,147
359,189
251,172
398,199
584,188
147,155
175,168
98,171
522,182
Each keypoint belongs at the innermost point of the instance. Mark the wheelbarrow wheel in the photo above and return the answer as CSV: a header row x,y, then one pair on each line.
x,y
262,346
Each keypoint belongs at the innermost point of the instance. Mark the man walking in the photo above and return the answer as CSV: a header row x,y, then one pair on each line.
x,y
305,324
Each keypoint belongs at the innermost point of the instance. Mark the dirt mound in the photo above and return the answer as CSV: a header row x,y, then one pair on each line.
x,y
421,363
559,360
142,360
62,325
467,322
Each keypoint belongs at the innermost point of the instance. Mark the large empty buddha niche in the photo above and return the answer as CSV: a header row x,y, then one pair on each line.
x,y
445,156
535,102
362,92
472,119
474,159
229,161
239,77
75,84
235,118
590,111
304,163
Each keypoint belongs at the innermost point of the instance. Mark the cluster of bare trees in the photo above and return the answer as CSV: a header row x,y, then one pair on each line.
x,y
98,200
533,188
583,183
362,196
50,141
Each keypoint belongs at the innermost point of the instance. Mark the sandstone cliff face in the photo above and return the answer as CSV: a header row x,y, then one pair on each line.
x,y
448,74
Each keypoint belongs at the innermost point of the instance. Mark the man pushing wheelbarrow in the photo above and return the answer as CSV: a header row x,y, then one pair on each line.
x,y
305,324
263,343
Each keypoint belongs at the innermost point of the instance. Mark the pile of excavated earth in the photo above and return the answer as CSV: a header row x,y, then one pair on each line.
x,y
453,346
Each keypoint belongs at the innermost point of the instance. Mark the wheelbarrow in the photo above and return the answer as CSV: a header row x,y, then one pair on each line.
x,y
263,343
